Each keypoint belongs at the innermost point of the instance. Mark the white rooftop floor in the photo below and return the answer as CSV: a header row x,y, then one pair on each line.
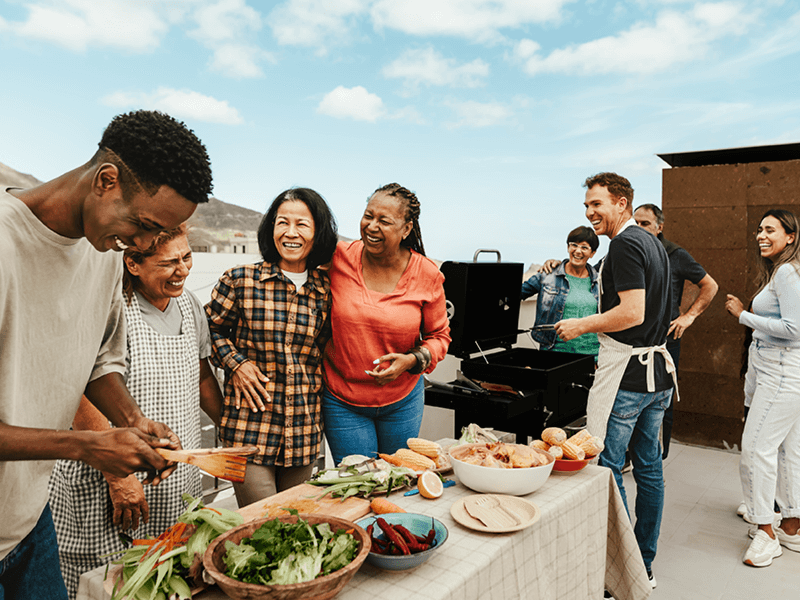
x,y
702,540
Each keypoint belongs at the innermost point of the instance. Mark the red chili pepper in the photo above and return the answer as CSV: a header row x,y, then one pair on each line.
x,y
431,534
411,540
380,546
393,536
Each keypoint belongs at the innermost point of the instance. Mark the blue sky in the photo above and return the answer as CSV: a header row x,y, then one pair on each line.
x,y
492,111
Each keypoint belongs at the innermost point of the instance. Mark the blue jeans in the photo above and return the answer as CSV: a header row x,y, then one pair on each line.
x,y
634,423
31,570
368,430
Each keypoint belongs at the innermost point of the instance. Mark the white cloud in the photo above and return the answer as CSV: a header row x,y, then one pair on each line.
x,y
674,38
478,114
316,23
185,104
352,103
239,61
478,20
78,24
427,66
225,20
225,26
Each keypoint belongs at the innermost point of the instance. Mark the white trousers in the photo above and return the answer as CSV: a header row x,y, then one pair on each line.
x,y
770,462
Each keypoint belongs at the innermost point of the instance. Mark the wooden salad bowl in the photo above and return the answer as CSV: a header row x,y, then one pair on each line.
x,y
321,588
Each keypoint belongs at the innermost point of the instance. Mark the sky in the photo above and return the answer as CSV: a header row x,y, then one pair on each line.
x,y
493,112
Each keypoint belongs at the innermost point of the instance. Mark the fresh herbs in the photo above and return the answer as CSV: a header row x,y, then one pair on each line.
x,y
283,553
158,568
365,481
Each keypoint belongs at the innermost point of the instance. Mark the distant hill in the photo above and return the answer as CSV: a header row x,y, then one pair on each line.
x,y
11,178
216,215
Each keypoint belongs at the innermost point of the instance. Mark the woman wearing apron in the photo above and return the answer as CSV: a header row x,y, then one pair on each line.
x,y
770,462
169,377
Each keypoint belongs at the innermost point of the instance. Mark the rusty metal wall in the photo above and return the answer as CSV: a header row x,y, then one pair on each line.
x,y
714,211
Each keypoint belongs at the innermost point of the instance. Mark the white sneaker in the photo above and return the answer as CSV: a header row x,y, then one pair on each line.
x,y
652,579
742,510
762,550
791,542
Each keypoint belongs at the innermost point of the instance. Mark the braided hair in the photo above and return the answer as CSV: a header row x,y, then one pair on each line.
x,y
412,210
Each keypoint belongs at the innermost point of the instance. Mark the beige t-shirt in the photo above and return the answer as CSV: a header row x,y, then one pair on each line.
x,y
61,326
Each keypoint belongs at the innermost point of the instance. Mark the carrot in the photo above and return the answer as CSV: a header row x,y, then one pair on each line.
x,y
381,506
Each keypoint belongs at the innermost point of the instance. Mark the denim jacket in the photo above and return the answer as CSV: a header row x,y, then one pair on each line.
x,y
553,289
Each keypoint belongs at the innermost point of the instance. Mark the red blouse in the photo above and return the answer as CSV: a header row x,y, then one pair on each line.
x,y
368,324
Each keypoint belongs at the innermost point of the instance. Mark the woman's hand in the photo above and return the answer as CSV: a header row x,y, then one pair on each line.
x,y
734,306
398,364
127,497
248,384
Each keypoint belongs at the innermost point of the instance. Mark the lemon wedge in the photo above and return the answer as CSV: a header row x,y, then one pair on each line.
x,y
430,485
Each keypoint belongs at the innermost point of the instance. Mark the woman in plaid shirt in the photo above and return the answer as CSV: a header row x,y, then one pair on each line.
x,y
269,324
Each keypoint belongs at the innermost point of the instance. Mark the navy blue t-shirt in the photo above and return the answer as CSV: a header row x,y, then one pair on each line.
x,y
636,260
682,268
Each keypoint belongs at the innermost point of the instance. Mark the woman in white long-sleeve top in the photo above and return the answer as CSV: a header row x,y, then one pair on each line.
x,y
771,439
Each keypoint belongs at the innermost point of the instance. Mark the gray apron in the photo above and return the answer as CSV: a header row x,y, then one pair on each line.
x,y
612,360
164,379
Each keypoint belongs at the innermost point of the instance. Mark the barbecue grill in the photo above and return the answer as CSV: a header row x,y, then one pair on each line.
x,y
514,389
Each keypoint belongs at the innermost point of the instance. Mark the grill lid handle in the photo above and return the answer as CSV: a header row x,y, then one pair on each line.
x,y
488,251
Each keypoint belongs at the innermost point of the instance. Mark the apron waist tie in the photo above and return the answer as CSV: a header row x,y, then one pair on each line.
x,y
646,356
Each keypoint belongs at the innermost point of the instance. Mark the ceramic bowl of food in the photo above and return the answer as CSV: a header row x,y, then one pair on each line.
x,y
468,466
417,524
321,588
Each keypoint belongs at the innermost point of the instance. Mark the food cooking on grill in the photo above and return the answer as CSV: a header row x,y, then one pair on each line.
x,y
500,455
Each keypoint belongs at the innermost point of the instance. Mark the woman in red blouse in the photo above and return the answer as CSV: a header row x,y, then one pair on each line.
x,y
389,325
269,322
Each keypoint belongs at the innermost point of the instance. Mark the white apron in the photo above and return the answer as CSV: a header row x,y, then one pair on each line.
x,y
612,360
165,381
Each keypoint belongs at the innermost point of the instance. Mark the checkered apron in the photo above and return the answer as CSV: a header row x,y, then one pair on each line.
x,y
165,381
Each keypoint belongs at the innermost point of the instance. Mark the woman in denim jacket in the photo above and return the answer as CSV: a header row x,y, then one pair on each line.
x,y
569,291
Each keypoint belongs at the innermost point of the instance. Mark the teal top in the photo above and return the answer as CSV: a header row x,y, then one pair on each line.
x,y
580,303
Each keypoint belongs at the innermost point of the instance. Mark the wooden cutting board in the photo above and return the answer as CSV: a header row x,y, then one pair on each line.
x,y
306,499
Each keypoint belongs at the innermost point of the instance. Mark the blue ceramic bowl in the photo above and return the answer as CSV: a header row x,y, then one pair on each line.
x,y
416,524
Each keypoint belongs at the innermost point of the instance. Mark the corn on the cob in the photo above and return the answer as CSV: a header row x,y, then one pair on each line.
x,y
592,446
424,447
539,444
415,460
555,436
573,451
583,434
556,451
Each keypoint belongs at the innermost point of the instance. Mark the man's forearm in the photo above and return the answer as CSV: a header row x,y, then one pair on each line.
x,y
616,319
27,443
708,289
112,398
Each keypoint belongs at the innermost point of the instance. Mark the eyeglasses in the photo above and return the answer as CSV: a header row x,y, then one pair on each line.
x,y
582,247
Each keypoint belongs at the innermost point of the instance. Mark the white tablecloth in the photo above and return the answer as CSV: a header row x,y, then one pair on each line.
x,y
582,543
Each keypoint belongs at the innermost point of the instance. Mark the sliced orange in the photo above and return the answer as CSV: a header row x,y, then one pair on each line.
x,y
430,485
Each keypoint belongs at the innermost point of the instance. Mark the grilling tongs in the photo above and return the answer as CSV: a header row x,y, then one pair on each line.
x,y
224,463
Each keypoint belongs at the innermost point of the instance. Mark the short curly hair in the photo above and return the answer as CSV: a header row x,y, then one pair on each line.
x,y
157,150
617,185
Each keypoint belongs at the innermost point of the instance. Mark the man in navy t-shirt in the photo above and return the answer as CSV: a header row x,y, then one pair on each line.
x,y
682,268
634,379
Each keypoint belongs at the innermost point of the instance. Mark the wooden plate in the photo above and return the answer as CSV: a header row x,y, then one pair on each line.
x,y
526,510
